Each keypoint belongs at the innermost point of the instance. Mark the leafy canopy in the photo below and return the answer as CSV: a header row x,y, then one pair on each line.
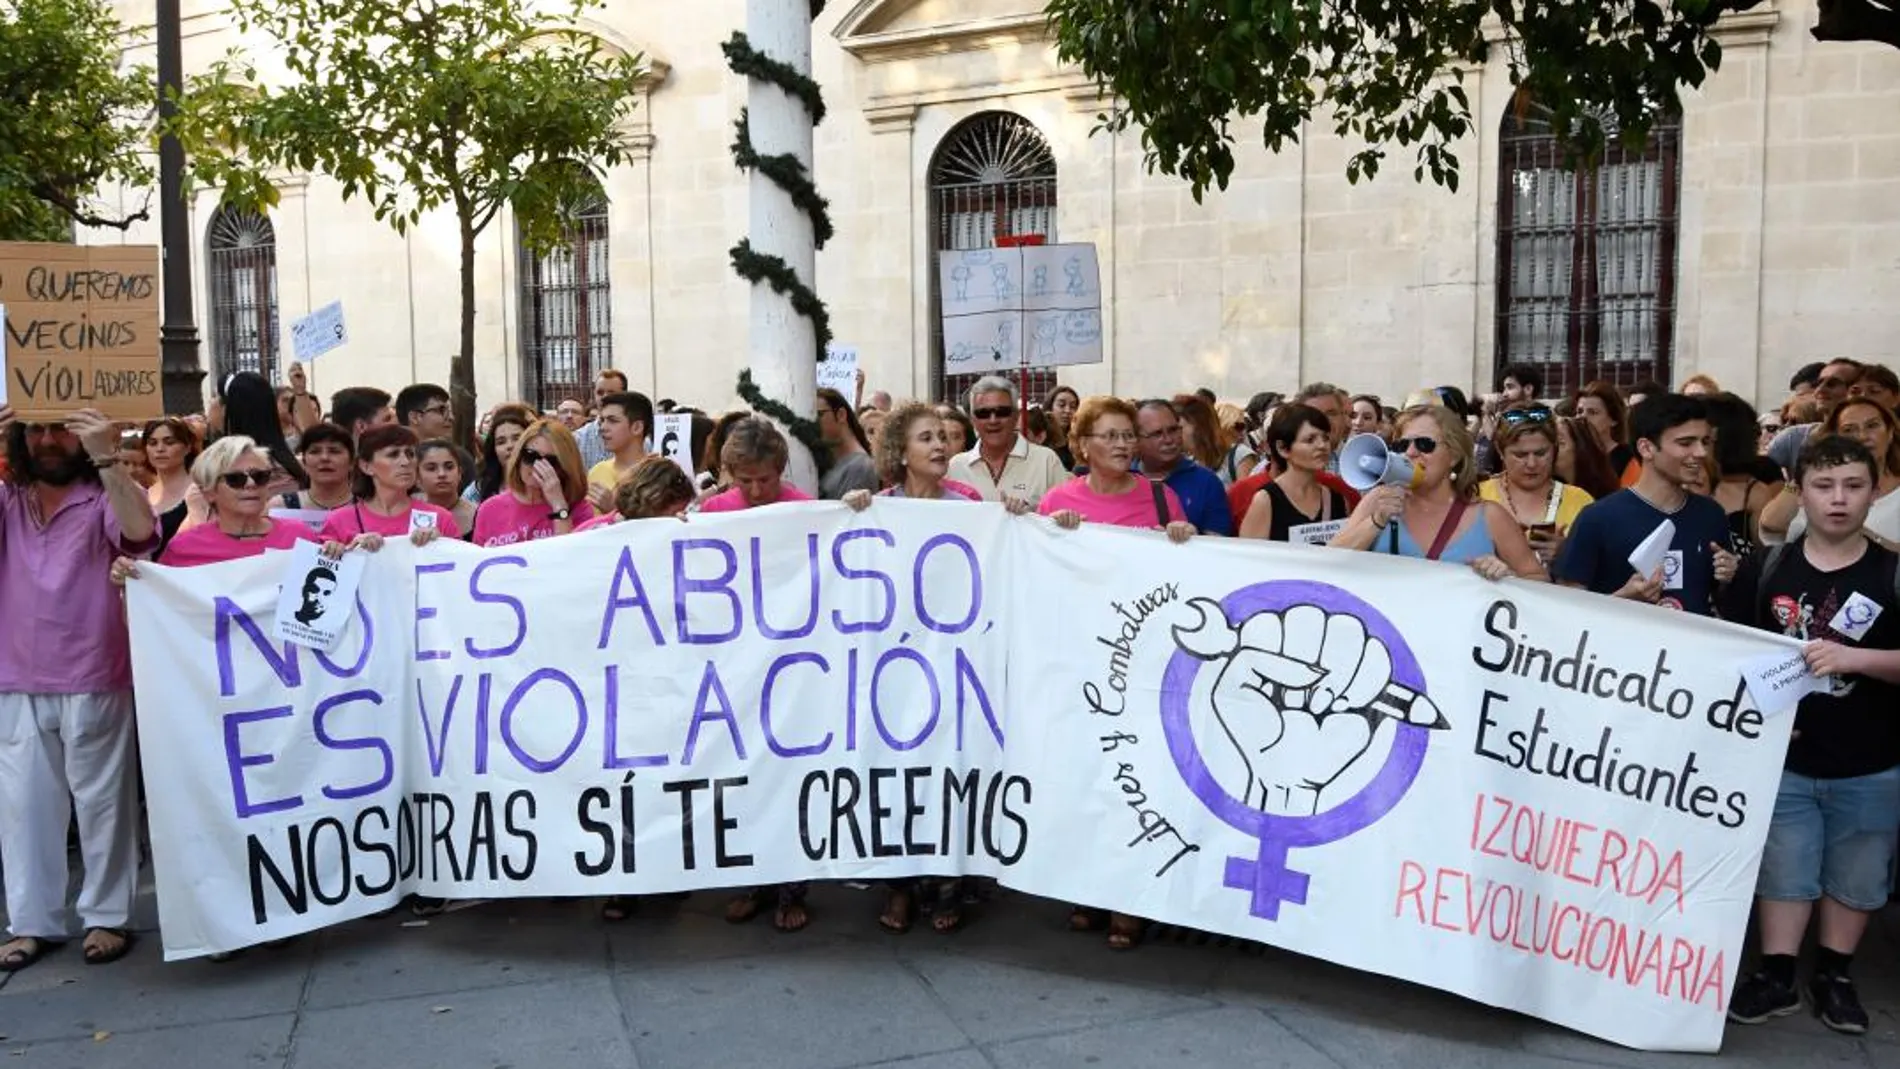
x,y
73,118
1381,72
416,105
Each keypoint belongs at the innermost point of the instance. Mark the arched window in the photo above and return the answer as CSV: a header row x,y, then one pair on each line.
x,y
242,258
1586,255
992,183
566,308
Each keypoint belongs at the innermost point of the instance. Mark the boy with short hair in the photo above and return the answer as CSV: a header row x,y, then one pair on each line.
x,y
1831,838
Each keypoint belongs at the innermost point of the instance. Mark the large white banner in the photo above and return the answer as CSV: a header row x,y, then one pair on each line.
x,y
1538,798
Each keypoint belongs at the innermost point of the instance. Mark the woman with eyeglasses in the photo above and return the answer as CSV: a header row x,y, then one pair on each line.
x,y
1443,518
1103,436
380,493
1541,504
1874,426
1295,505
544,493
171,449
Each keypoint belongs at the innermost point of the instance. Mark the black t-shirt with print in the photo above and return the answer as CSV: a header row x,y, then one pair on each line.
x,y
1854,730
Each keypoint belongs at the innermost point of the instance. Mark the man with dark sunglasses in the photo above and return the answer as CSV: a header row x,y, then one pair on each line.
x,y
67,511
1004,465
1838,377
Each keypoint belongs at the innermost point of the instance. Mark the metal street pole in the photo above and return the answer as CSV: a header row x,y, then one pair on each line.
x,y
178,333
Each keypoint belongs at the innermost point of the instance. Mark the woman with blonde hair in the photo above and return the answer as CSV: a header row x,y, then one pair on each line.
x,y
544,490
1441,517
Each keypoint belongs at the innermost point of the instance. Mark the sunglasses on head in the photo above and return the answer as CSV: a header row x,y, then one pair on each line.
x,y
1425,446
238,480
998,412
1538,414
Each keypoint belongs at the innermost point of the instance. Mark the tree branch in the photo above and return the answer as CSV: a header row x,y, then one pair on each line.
x,y
1858,20
65,202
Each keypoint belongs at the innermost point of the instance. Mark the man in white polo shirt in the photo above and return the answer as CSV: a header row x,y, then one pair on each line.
x,y
1004,464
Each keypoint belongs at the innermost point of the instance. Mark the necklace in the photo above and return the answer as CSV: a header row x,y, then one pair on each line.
x,y
1550,504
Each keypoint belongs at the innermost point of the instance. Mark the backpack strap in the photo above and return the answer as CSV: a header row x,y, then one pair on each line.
x,y
1770,561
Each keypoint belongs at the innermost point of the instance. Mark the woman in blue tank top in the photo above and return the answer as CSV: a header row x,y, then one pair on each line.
x,y
1439,515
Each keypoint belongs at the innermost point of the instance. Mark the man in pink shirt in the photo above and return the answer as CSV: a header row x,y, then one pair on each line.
x,y
67,510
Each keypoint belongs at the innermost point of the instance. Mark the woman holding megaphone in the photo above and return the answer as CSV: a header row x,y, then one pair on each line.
x,y
1422,500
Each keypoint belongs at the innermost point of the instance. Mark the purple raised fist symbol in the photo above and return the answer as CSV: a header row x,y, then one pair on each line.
x,y
1309,683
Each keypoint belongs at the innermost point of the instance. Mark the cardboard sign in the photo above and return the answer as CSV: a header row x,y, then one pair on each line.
x,y
81,329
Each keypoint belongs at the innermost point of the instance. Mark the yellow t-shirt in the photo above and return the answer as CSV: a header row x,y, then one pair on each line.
x,y
604,474
1570,501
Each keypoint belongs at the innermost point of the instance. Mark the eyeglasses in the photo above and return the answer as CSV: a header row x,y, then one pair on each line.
x,y
1115,437
1425,446
1515,416
436,410
999,412
1165,432
531,457
238,480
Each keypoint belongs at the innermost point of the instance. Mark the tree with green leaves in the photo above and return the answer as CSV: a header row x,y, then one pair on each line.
x,y
73,119
1184,72
416,106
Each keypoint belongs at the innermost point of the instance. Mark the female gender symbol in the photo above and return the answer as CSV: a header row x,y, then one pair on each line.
x,y
1267,875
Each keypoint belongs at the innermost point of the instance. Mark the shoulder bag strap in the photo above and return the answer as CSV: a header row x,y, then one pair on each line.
x,y
1447,529
1161,502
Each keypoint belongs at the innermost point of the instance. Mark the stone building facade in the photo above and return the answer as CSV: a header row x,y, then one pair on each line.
x,y
1760,232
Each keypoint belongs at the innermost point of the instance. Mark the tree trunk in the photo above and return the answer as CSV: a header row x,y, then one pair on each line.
x,y
462,368
783,342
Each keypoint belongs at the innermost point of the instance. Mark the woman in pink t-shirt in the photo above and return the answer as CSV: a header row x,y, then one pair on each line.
x,y
912,453
753,458
1102,434
234,475
543,490
381,505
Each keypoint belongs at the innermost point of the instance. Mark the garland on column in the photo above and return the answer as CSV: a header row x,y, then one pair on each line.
x,y
787,172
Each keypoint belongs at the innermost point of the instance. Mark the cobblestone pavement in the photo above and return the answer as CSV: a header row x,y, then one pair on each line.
x,y
525,984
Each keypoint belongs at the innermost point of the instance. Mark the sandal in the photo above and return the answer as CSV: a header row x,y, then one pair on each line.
x,y
899,909
101,952
746,906
27,949
947,919
791,917
1124,932
617,908
1087,919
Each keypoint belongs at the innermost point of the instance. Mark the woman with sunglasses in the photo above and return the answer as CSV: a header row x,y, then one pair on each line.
x,y
380,493
544,493
1543,505
1103,435
234,474
1442,517
171,449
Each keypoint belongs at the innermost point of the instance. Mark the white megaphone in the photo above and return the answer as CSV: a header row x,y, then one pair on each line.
x,y
1366,462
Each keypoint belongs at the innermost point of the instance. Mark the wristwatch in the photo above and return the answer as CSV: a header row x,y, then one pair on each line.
x,y
561,514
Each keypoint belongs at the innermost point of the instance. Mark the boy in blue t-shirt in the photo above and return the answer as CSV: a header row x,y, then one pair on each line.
x,y
1672,437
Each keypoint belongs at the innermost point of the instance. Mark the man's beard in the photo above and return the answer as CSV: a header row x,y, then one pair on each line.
x,y
57,469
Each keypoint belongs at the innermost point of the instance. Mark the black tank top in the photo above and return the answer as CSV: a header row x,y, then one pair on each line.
x,y
1287,516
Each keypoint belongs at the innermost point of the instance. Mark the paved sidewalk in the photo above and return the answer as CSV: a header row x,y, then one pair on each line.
x,y
521,985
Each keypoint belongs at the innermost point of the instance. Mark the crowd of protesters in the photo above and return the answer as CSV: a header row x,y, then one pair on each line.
x,y
1780,519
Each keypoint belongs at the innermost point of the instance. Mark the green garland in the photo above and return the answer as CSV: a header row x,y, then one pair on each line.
x,y
788,173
